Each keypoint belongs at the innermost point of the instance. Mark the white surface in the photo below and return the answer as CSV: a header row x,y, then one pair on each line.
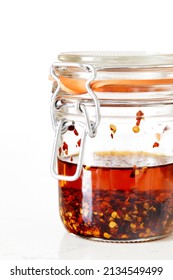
x,y
32,34
45,238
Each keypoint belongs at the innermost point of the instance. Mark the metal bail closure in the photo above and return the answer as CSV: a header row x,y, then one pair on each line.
x,y
80,107
89,127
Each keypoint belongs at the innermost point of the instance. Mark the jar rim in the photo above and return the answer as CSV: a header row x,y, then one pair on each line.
x,y
119,58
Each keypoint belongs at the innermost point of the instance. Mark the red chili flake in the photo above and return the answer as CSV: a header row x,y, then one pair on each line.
x,y
139,117
139,114
60,151
120,214
138,122
65,146
162,197
79,142
112,136
155,145
71,127
71,158
166,128
76,132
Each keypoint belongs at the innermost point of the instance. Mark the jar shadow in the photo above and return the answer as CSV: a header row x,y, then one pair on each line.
x,y
76,248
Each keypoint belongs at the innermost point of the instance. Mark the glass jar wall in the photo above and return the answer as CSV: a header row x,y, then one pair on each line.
x,y
113,154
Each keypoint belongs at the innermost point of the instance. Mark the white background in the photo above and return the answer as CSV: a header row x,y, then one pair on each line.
x,y
32,34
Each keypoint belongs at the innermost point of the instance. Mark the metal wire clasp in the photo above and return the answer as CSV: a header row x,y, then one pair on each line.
x,y
87,68
89,127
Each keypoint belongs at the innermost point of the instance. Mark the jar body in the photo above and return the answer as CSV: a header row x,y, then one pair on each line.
x,y
125,190
114,149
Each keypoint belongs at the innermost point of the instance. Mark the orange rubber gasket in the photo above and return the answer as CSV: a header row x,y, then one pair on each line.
x,y
77,86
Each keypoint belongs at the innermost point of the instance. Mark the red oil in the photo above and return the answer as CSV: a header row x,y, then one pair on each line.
x,y
118,203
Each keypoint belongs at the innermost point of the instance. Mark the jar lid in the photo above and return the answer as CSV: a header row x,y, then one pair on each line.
x,y
119,59
115,71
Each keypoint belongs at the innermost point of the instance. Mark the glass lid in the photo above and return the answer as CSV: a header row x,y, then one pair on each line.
x,y
116,72
120,59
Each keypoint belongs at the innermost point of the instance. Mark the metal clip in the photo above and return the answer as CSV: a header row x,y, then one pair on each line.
x,y
89,127
61,128
87,68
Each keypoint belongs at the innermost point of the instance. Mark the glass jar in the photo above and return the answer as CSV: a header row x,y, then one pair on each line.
x,y
113,151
